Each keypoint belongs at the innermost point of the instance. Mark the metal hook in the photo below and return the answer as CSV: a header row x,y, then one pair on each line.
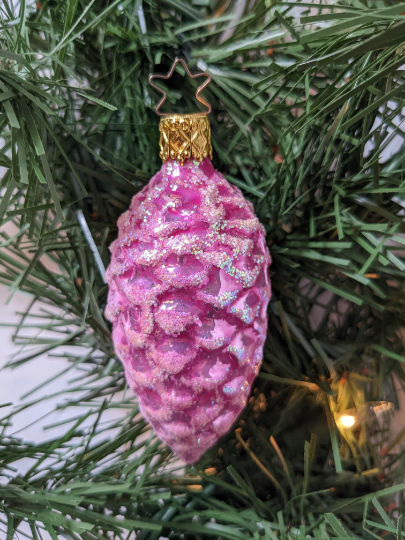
x,y
192,76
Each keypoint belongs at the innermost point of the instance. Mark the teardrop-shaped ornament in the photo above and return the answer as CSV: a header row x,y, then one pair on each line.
x,y
188,292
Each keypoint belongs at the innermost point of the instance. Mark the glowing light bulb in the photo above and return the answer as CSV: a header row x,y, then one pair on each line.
x,y
347,420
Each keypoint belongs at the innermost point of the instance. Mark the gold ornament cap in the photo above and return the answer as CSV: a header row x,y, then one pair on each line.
x,y
184,136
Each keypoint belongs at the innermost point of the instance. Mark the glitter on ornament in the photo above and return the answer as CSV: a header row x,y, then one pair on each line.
x,y
188,295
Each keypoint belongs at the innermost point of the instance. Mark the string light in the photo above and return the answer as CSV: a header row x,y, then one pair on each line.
x,y
363,413
381,407
347,420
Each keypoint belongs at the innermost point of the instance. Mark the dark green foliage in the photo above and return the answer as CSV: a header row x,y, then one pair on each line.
x,y
307,100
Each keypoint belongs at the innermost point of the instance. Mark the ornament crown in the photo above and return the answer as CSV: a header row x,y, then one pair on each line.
x,y
183,136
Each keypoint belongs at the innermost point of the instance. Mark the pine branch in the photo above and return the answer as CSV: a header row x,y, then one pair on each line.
x,y
307,103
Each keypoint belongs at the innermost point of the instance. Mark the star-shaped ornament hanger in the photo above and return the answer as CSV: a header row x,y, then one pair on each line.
x,y
191,75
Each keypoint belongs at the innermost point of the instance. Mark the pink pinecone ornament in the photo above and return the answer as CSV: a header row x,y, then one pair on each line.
x,y
188,294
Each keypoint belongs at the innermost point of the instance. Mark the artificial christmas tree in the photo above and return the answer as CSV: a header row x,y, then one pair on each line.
x,y
308,105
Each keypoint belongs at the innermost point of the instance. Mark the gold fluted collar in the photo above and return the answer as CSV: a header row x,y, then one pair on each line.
x,y
184,136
